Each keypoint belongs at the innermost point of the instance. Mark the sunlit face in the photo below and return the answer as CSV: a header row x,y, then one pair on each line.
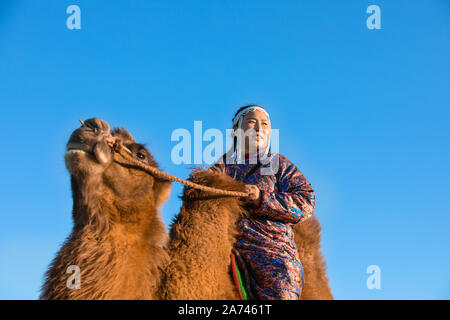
x,y
259,136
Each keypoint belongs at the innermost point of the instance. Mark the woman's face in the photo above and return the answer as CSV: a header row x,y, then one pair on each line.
x,y
259,136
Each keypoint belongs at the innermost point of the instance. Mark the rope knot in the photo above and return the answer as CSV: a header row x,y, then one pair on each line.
x,y
118,145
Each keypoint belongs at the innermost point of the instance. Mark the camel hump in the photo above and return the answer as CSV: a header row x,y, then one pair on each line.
x,y
212,177
307,233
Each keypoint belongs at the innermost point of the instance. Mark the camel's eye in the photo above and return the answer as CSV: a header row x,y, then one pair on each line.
x,y
140,156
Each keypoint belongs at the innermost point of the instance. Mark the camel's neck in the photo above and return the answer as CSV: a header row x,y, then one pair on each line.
x,y
116,259
96,211
116,266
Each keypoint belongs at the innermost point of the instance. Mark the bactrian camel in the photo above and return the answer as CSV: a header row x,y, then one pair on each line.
x,y
121,246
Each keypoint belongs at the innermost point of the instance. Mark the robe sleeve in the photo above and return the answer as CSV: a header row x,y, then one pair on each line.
x,y
294,200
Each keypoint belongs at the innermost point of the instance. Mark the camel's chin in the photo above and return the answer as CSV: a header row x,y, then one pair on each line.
x,y
76,156
80,162
72,152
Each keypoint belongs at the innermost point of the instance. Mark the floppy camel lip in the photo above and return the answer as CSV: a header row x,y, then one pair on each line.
x,y
76,147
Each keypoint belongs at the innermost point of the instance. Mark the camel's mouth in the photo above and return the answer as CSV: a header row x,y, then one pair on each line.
x,y
100,151
73,148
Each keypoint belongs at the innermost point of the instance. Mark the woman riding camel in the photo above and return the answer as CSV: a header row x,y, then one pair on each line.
x,y
279,197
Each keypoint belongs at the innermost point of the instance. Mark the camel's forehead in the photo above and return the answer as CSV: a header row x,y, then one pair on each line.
x,y
128,140
123,134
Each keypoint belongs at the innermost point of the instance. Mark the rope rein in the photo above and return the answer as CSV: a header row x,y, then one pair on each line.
x,y
124,152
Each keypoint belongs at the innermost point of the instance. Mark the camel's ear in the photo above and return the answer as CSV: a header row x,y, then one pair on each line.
x,y
123,134
162,191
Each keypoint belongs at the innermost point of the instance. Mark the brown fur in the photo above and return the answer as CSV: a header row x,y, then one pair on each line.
x,y
201,239
117,236
307,237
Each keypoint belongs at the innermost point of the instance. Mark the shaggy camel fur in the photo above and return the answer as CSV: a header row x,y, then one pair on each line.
x,y
117,237
201,239
203,234
307,237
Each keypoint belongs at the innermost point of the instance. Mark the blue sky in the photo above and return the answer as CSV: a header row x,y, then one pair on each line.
x,y
362,113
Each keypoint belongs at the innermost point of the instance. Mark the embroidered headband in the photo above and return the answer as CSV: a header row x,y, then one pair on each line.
x,y
237,120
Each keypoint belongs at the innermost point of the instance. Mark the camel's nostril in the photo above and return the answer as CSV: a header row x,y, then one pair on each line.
x,y
97,125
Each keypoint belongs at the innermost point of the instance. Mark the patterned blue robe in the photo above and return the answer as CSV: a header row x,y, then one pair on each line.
x,y
266,238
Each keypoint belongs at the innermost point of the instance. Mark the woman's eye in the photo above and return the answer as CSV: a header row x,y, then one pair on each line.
x,y
140,156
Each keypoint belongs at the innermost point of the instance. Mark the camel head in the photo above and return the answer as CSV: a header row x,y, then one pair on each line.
x,y
105,185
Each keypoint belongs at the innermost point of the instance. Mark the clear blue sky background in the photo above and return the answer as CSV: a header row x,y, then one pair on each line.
x,y
363,114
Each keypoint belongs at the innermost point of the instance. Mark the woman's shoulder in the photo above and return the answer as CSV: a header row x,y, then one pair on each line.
x,y
283,164
279,155
275,156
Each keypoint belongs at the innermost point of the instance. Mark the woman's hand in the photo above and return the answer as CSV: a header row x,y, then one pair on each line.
x,y
254,194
